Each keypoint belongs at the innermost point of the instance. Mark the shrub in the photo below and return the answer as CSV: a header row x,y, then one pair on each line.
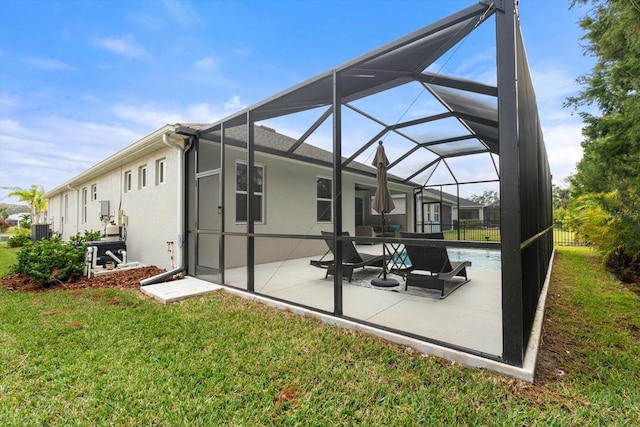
x,y
51,260
624,265
21,236
87,236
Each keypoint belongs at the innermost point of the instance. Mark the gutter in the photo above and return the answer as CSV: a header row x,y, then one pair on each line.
x,y
181,145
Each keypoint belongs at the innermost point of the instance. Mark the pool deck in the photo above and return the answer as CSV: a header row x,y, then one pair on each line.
x,y
470,318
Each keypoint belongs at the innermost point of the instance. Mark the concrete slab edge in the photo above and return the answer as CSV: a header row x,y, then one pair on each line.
x,y
526,373
533,346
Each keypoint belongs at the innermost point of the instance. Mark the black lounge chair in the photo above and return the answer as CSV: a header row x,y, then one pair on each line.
x,y
431,267
351,258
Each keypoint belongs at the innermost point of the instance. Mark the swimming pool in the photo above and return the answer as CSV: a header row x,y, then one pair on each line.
x,y
481,258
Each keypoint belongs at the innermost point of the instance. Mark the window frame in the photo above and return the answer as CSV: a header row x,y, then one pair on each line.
x,y
161,171
128,178
323,200
85,201
261,218
142,177
66,208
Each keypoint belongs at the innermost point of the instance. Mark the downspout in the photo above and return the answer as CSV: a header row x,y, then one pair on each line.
x,y
182,145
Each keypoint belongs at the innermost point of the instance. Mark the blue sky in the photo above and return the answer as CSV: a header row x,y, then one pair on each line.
x,y
80,80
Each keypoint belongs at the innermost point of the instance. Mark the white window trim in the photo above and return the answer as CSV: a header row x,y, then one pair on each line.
x,y
142,177
161,171
262,193
85,201
128,178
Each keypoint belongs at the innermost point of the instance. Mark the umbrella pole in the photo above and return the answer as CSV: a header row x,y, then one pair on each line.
x,y
384,260
384,282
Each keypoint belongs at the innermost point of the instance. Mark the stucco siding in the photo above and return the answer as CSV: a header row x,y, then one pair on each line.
x,y
150,212
290,207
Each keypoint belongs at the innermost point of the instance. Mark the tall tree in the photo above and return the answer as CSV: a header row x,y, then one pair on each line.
x,y
34,196
606,186
611,159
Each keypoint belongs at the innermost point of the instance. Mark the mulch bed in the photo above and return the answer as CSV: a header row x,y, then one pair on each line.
x,y
128,279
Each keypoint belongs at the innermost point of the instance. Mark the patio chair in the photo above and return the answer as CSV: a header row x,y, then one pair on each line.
x,y
431,267
351,258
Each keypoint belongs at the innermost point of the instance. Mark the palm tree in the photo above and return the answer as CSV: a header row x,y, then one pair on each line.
x,y
33,195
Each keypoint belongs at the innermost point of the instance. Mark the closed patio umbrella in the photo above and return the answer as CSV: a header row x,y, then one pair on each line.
x,y
383,204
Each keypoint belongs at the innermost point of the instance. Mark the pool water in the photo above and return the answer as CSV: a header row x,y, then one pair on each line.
x,y
481,259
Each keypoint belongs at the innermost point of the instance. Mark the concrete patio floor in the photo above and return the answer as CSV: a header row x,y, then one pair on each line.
x,y
470,317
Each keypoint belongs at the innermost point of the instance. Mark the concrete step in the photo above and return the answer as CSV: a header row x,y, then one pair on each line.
x,y
178,290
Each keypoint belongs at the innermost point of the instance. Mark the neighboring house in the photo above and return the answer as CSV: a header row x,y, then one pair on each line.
x,y
14,219
442,211
141,189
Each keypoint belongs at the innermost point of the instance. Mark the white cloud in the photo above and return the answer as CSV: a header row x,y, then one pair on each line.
x,y
48,64
124,46
182,12
553,84
206,63
563,149
147,114
50,153
234,104
151,115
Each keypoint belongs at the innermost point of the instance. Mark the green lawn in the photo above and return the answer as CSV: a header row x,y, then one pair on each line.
x,y
7,258
112,357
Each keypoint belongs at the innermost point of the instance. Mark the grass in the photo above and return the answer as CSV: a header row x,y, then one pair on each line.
x,y
474,234
112,357
7,258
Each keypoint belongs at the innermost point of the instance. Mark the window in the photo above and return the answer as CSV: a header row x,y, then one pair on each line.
x,y
242,180
142,176
94,192
161,171
66,208
127,181
432,212
85,197
324,199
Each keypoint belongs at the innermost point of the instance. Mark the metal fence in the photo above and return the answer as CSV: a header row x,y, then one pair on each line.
x,y
563,236
490,232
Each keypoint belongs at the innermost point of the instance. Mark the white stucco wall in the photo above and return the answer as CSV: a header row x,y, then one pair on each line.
x,y
290,208
151,211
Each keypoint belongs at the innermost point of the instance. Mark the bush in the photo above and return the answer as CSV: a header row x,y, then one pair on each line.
x,y
21,236
87,236
51,260
624,265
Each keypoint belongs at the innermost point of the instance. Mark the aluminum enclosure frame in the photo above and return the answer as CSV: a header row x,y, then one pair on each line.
x,y
512,132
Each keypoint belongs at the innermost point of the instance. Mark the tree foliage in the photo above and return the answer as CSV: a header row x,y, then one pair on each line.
x,y
489,197
34,195
605,206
